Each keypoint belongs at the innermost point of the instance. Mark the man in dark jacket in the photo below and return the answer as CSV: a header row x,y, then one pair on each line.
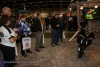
x,y
55,25
62,28
38,27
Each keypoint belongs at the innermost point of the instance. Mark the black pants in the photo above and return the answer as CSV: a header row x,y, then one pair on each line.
x,y
23,51
61,35
47,26
8,55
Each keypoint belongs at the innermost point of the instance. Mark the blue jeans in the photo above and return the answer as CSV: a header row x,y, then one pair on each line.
x,y
55,36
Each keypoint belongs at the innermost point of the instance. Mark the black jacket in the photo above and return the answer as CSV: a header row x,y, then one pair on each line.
x,y
37,25
54,23
62,25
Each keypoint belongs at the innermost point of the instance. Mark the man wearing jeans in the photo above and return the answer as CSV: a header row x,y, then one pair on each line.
x,y
55,25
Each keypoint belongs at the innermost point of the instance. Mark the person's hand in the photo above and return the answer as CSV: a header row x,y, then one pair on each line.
x,y
25,34
58,25
15,30
16,35
30,24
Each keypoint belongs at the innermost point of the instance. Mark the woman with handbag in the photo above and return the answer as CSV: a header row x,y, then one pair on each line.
x,y
24,31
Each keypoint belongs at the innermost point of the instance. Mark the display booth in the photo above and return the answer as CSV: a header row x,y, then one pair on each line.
x,y
88,11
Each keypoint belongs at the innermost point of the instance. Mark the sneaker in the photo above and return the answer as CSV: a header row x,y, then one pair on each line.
x,y
57,44
29,52
24,55
37,50
53,45
42,47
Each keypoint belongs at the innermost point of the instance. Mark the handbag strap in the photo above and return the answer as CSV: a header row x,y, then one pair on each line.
x,y
7,29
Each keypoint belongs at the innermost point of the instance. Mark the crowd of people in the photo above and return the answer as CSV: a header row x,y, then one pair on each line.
x,y
11,31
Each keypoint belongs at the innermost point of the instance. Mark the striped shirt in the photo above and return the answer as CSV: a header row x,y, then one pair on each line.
x,y
24,27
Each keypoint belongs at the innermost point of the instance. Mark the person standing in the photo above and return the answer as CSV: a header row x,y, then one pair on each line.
x,y
47,22
38,27
8,42
55,26
7,11
24,31
62,28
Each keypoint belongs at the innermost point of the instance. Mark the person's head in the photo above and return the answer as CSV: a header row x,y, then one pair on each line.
x,y
23,17
39,16
6,11
35,15
57,15
5,20
60,17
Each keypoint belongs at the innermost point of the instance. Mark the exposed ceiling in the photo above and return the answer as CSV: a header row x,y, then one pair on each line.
x,y
35,4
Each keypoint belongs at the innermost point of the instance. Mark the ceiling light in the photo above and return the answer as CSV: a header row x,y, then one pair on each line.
x,y
96,6
81,8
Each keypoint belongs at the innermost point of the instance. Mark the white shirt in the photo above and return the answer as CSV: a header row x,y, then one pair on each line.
x,y
5,37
